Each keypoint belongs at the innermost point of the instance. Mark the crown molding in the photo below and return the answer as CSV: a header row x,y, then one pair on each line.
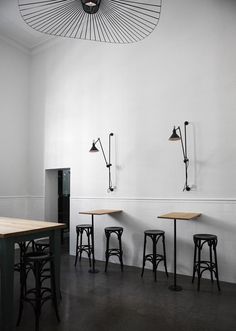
x,y
15,44
43,46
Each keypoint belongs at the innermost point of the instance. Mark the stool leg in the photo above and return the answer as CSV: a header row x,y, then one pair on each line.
x,y
53,288
80,245
154,257
89,248
216,266
121,252
36,320
144,253
164,254
199,265
194,260
211,264
20,310
37,295
77,241
22,291
107,250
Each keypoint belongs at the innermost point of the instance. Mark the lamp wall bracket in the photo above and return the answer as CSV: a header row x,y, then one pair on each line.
x,y
108,163
184,150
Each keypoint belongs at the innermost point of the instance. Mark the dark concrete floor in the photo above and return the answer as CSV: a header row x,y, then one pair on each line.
x,y
125,302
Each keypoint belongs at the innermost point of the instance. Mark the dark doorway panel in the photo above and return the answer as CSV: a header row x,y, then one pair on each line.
x,y
64,197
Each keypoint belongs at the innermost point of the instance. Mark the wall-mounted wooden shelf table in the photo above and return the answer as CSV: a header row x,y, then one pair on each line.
x,y
178,216
92,213
14,230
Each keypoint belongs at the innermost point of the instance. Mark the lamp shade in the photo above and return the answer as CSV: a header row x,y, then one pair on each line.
x,y
174,135
111,21
93,148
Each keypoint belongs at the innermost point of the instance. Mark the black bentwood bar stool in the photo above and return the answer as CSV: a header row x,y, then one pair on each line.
x,y
114,251
199,265
80,247
44,279
154,258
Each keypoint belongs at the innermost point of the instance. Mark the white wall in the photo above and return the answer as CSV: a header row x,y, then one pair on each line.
x,y
14,88
185,70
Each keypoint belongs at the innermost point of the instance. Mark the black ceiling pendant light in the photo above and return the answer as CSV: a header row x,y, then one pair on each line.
x,y
112,21
108,163
176,137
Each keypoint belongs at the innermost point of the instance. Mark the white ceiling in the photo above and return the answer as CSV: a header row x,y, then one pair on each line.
x,y
14,28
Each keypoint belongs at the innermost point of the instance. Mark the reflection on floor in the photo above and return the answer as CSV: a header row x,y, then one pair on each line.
x,y
124,302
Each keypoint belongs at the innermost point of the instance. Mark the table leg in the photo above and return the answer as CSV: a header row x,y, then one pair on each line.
x,y
175,287
93,270
7,285
55,247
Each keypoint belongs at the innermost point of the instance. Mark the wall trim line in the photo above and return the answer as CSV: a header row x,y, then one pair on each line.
x,y
168,200
13,197
188,200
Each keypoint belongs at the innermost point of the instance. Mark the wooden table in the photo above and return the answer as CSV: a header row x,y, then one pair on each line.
x,y
178,216
92,213
15,230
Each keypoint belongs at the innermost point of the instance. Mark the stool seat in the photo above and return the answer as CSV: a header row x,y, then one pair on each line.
x,y
154,232
37,256
83,226
205,236
154,257
113,228
117,230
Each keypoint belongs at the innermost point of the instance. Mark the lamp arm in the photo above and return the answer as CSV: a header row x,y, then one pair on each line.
x,y
186,160
103,153
186,186
95,142
108,164
185,140
110,135
182,144
184,150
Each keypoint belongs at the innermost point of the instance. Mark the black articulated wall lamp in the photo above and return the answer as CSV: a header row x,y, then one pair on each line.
x,y
111,21
175,137
108,163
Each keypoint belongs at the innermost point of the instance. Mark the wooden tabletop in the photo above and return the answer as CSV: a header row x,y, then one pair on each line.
x,y
101,211
180,216
13,227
